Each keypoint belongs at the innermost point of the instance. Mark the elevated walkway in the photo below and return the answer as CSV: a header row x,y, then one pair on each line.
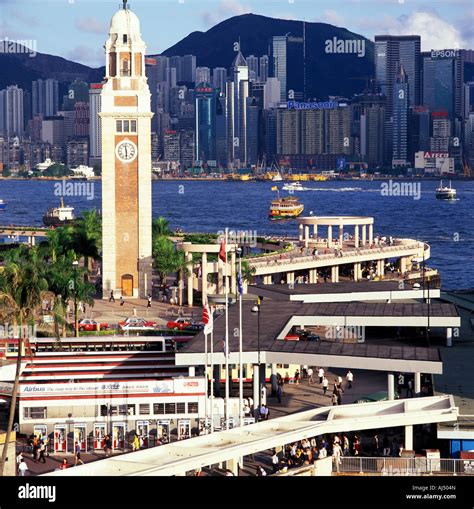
x,y
178,458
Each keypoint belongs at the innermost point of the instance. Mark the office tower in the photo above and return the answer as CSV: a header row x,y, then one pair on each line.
x,y
253,131
95,130
176,63
68,124
443,81
468,98
237,93
271,93
27,110
35,128
312,131
171,146
252,62
188,68
177,96
418,131
221,131
205,107
288,65
441,132
392,51
53,131
161,68
186,148
81,119
219,78
469,139
400,119
263,68
11,112
270,123
44,97
288,127
203,75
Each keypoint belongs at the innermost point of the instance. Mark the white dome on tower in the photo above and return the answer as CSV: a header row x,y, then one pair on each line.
x,y
124,21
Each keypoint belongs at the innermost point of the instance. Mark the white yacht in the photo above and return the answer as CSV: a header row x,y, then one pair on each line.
x,y
294,186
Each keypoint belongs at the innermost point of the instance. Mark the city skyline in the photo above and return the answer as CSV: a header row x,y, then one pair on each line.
x,y
80,30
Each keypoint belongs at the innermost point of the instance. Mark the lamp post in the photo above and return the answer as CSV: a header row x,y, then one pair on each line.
x,y
256,310
239,252
75,264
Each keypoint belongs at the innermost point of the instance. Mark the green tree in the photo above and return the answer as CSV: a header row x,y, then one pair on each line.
x,y
247,271
160,227
22,285
166,258
86,236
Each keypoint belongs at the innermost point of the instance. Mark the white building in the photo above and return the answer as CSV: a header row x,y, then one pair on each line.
x,y
271,93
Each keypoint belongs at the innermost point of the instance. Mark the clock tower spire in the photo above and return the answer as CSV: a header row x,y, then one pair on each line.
x,y
126,161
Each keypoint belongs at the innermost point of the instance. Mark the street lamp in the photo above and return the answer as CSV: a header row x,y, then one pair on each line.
x,y
75,264
256,310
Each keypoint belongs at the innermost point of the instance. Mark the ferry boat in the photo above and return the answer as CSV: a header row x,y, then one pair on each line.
x,y
2,205
58,216
285,208
445,193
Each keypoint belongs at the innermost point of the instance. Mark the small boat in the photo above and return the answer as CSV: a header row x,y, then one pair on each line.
x,y
286,207
277,177
2,205
445,193
294,186
58,216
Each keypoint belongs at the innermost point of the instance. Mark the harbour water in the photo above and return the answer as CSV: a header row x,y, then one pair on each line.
x,y
411,212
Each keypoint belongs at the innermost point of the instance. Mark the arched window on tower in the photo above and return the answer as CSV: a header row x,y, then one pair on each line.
x,y
125,66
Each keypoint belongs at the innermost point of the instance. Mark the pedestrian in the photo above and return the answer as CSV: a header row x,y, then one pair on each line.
x,y
136,443
345,445
350,379
287,378
149,301
122,302
386,446
275,462
375,445
22,468
77,454
279,393
108,445
336,455
297,377
410,389
42,450
112,298
18,459
356,446
64,464
134,311
260,471
35,448
321,375
310,376
325,385
334,399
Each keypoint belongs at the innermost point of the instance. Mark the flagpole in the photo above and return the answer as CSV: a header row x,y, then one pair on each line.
x,y
226,353
206,405
211,312
241,368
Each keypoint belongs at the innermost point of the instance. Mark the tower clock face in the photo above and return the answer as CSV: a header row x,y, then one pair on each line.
x,y
126,151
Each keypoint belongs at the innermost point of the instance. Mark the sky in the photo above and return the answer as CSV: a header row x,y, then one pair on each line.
x,y
77,29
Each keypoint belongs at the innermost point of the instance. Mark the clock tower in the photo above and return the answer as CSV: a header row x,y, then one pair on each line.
x,y
126,162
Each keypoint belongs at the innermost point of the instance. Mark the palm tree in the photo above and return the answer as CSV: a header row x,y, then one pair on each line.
x,y
166,258
22,285
160,227
86,236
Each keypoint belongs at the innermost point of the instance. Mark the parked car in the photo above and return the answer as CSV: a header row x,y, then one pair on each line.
x,y
135,323
194,327
292,337
180,323
306,335
89,325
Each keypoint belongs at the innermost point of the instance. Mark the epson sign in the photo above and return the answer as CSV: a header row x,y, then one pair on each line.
x,y
444,53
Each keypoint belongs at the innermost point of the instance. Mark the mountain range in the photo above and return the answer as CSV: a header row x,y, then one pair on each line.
x,y
326,74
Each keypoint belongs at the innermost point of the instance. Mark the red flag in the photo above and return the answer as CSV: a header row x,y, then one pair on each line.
x,y
222,252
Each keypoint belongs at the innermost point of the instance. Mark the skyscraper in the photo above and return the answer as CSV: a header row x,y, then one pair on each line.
x,y
11,112
44,97
203,75
391,51
443,80
219,78
205,107
264,68
252,62
400,119
288,65
188,68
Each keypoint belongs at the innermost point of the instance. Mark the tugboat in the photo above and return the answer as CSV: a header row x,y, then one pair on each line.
x,y
286,207
59,216
446,193
2,205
